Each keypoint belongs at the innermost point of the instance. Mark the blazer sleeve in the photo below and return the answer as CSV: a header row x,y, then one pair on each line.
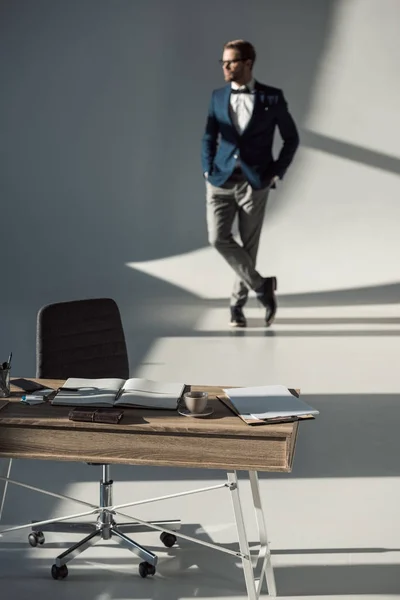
x,y
210,139
288,130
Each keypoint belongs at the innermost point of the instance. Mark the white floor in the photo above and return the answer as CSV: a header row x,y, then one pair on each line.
x,y
333,522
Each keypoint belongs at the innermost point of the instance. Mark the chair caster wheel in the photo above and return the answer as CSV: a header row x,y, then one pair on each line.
x,y
35,538
168,539
146,568
59,572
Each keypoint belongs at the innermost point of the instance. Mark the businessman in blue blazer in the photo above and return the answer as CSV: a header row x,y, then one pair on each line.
x,y
240,170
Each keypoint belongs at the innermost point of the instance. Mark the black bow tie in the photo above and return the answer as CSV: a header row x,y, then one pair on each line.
x,y
244,90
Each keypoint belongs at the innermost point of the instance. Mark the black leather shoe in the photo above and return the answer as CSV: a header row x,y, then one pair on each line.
x,y
266,295
237,317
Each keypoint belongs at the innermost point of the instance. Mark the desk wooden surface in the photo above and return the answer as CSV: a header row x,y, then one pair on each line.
x,y
145,437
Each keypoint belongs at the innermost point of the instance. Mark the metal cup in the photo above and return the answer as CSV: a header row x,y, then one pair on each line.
x,y
196,402
4,383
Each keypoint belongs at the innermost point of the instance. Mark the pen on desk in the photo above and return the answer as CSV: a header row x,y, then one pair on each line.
x,y
119,394
9,361
28,397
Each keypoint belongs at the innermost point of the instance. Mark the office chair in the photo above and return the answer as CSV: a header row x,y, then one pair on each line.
x,y
85,338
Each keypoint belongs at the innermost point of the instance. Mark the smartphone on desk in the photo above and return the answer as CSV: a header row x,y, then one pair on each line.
x,y
27,385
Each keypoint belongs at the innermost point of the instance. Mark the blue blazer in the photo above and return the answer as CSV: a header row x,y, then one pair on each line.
x,y
222,145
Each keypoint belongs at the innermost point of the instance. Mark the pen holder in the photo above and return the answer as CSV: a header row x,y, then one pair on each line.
x,y
4,382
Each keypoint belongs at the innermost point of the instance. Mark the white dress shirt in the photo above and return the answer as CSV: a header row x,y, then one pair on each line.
x,y
242,106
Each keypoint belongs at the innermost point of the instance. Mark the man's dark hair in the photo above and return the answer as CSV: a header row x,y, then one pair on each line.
x,y
246,50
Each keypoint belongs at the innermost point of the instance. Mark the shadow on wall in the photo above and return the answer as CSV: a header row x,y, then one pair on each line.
x,y
103,107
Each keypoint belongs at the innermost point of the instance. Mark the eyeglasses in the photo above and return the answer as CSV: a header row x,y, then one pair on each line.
x,y
227,63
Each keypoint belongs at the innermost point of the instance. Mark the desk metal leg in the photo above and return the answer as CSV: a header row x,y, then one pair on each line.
x,y
265,552
253,590
243,543
3,499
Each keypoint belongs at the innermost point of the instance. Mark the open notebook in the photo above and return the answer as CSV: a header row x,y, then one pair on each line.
x,y
133,392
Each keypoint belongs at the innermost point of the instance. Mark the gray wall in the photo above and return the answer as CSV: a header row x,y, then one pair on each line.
x,y
102,109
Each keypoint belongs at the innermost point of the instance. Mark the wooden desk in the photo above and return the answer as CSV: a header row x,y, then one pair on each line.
x,y
160,438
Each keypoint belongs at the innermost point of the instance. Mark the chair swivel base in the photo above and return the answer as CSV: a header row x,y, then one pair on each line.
x,y
101,531
105,528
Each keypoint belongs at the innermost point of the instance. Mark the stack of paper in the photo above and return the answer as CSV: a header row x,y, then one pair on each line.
x,y
270,402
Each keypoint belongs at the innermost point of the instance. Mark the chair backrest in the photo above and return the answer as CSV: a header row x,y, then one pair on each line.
x,y
81,338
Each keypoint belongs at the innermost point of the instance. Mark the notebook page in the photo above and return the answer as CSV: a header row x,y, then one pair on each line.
x,y
108,383
147,400
166,388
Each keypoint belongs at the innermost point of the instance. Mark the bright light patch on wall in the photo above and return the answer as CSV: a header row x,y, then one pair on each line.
x,y
201,272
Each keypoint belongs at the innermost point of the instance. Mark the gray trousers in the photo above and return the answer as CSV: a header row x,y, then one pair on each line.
x,y
236,197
